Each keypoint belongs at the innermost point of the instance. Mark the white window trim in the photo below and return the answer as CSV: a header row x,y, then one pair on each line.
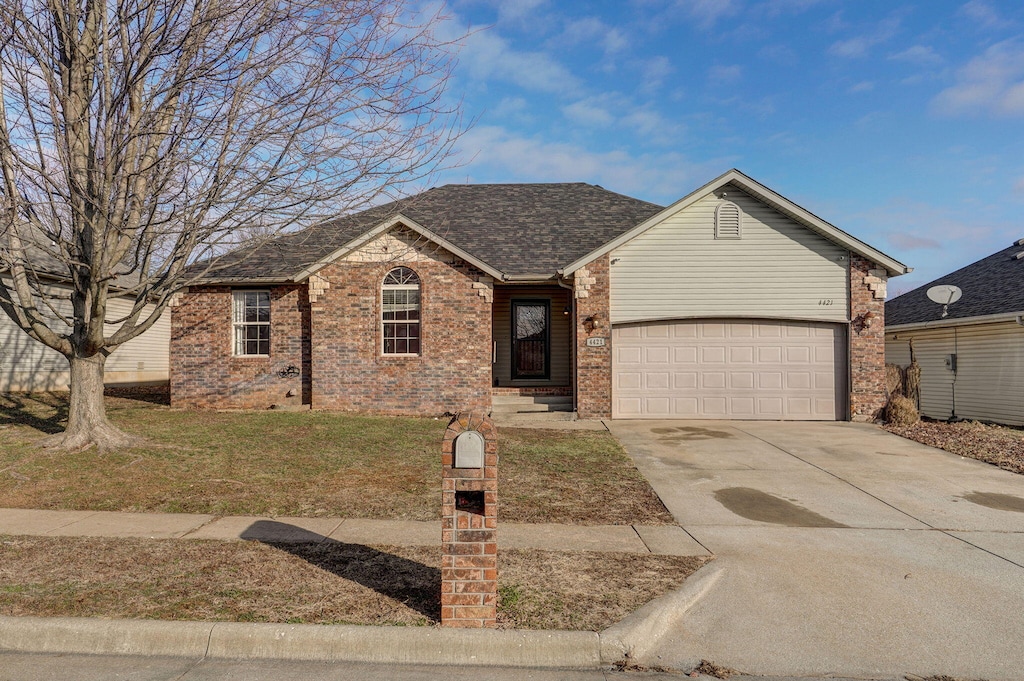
x,y
418,322
237,300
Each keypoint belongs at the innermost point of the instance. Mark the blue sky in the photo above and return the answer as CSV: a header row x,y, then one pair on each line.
x,y
899,122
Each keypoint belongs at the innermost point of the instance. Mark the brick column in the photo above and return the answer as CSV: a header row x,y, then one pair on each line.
x,y
867,339
593,362
469,522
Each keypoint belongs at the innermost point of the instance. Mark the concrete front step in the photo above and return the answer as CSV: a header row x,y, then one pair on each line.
x,y
529,405
525,419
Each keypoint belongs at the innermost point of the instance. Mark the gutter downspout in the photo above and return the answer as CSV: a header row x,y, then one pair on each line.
x,y
560,280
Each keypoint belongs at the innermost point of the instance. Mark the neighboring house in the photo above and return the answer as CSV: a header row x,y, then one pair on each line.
x,y
972,360
28,365
733,302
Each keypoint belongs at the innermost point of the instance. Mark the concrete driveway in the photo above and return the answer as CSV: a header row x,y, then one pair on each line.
x,y
845,550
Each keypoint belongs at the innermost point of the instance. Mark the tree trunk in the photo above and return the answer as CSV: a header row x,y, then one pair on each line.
x,y
87,415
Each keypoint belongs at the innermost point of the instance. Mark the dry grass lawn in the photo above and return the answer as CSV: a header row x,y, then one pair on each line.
x,y
324,583
305,464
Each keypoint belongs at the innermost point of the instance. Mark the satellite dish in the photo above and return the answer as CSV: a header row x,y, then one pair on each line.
x,y
945,295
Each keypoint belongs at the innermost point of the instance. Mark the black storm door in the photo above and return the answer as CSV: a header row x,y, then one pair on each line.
x,y
531,324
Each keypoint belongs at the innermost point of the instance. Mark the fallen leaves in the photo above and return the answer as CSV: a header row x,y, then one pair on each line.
x,y
1001,446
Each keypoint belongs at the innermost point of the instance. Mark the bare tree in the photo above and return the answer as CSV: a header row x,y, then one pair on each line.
x,y
139,137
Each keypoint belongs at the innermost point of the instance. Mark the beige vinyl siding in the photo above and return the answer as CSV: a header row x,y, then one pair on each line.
x,y
26,364
561,333
989,382
777,269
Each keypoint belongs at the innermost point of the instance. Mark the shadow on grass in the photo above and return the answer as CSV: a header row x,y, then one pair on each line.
x,y
151,394
27,409
413,584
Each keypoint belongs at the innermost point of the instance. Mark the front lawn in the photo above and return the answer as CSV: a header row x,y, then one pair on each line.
x,y
306,464
327,583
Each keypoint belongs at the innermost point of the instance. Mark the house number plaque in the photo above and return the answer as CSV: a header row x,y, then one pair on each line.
x,y
595,342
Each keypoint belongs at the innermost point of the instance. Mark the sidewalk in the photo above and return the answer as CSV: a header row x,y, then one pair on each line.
x,y
343,643
669,540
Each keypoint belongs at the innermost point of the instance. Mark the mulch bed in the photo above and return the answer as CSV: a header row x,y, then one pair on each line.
x,y
1001,446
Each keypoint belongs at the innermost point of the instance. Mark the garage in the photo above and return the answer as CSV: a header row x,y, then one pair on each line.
x,y
729,369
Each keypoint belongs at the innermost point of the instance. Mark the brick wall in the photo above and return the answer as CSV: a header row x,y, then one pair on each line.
x,y
867,339
204,372
593,364
452,372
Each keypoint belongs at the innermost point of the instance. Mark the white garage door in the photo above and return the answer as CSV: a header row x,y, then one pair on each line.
x,y
729,369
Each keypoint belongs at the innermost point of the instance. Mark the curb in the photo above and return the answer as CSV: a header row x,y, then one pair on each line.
x,y
640,631
628,639
314,642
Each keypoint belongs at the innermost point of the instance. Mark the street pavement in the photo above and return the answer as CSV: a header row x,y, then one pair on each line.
x,y
35,667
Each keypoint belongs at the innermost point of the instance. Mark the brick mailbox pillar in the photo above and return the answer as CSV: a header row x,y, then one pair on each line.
x,y
469,522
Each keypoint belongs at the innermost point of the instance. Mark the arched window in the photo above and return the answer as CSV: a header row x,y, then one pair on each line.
x,y
728,221
400,310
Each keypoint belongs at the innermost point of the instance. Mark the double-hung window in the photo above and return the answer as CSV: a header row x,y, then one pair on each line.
x,y
400,307
251,317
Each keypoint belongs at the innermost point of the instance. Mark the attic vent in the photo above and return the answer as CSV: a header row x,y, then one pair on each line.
x,y
728,221
1019,256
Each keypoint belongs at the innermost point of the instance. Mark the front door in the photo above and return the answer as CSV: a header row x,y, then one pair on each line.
x,y
531,323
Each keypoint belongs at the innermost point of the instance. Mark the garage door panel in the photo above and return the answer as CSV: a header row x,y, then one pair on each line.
x,y
685,407
684,380
657,380
743,369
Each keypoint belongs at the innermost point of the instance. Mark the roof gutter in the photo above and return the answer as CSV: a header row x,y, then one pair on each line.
x,y
964,321
527,278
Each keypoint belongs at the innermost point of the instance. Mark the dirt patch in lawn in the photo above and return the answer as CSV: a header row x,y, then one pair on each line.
x,y
1001,446
325,583
305,464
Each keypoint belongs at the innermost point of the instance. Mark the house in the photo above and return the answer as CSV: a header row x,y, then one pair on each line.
x,y
27,365
971,359
733,302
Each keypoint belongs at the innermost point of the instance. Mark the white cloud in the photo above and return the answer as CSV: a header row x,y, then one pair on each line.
x,y
983,14
913,242
707,12
486,55
616,110
654,71
783,54
594,31
725,75
499,155
860,45
992,84
918,54
590,112
1018,186
864,86
517,10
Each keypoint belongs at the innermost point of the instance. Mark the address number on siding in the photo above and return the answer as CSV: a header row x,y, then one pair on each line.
x,y
595,342
825,301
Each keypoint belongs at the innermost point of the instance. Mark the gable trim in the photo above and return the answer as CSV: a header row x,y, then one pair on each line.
x,y
386,226
892,266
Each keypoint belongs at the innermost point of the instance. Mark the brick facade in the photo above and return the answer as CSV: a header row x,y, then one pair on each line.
x,y
593,364
452,373
867,339
205,373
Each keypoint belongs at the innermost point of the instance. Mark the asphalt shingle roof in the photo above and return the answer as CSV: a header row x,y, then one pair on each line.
x,y
518,229
993,285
